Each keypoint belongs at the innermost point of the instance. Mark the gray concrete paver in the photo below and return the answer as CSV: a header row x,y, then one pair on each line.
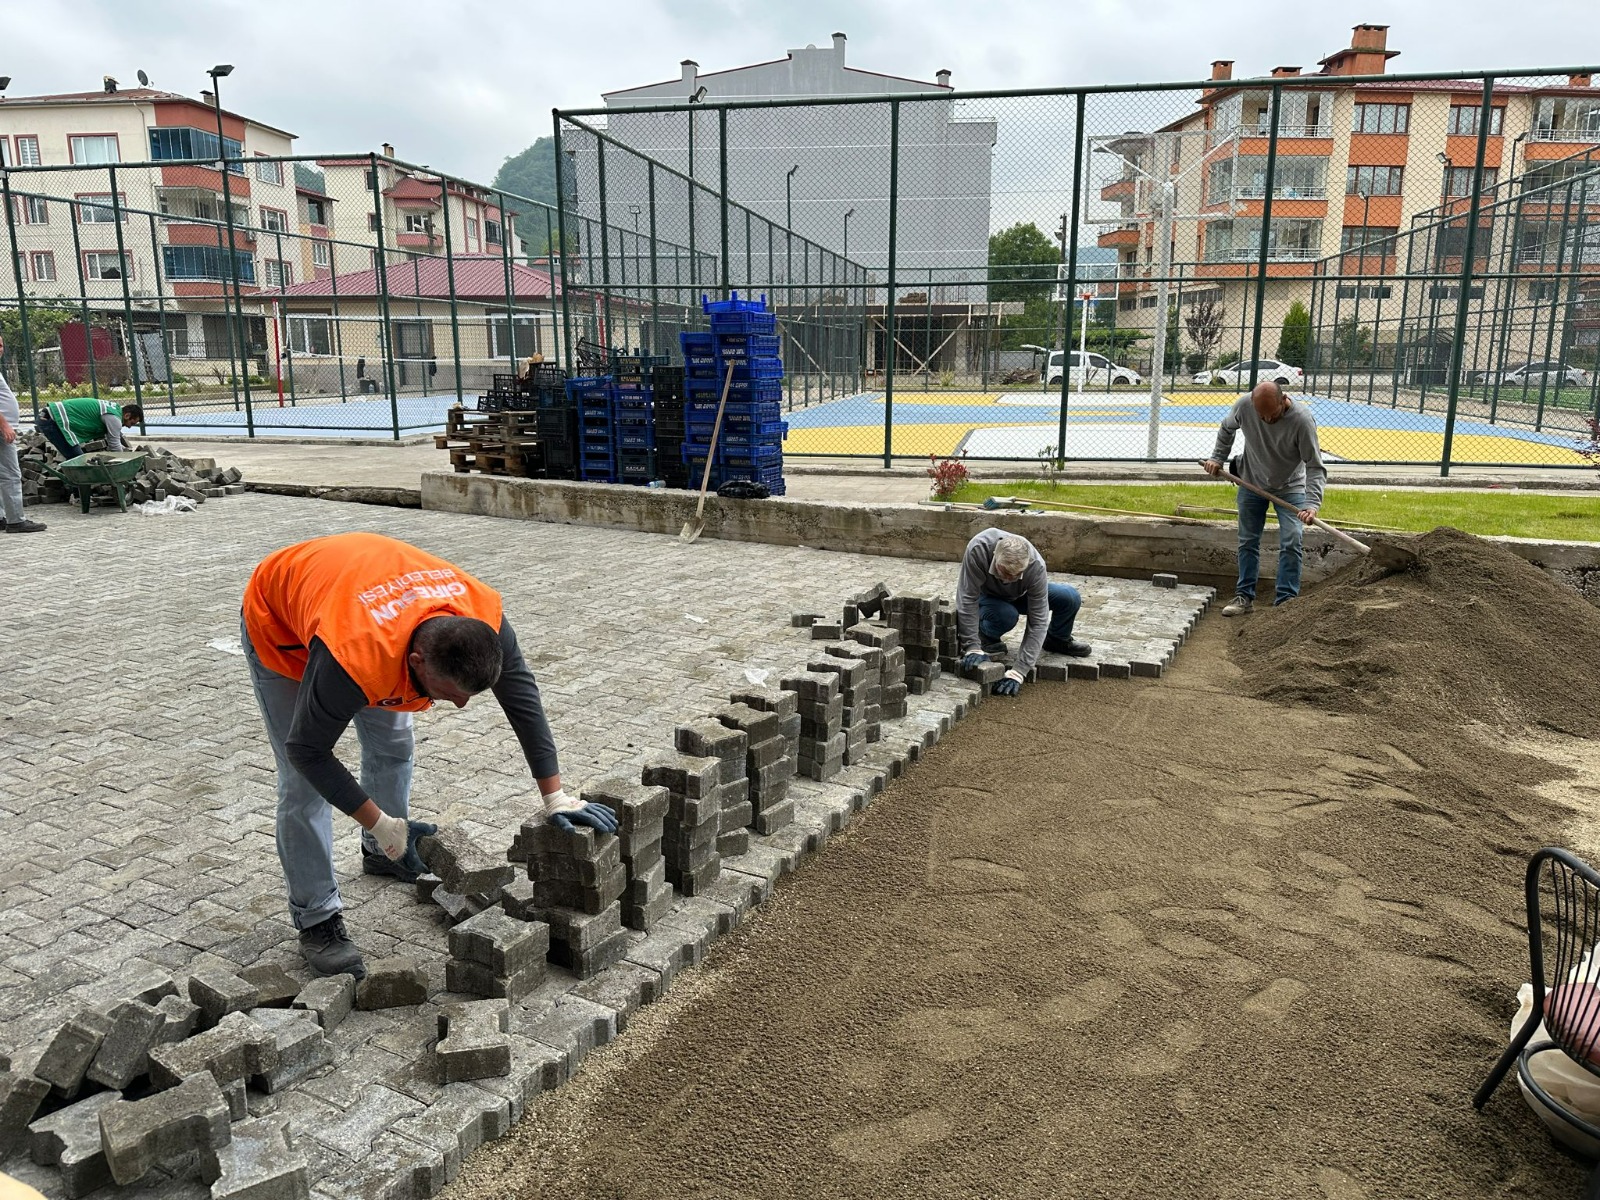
x,y
136,813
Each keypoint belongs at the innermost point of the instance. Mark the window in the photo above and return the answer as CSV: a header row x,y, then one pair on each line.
x,y
103,264
1368,239
1382,118
1544,289
33,210
472,231
274,220
491,231
1374,181
5,152
311,335
22,264
1351,291
268,171
371,177
418,223
205,262
93,148
1458,180
1464,119
1290,238
216,336
1147,301
28,151
316,211
527,331
276,273
44,266
177,331
97,209
178,142
413,339
372,222
320,254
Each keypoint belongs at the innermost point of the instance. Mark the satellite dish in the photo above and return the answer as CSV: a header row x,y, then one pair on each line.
x,y
144,80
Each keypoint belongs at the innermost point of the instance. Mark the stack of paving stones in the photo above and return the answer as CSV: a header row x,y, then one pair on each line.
x,y
730,746
497,955
641,815
860,695
915,619
820,706
577,881
464,879
770,721
892,669
693,822
164,474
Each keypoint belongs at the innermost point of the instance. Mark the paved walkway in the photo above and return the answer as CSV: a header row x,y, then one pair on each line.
x,y
136,794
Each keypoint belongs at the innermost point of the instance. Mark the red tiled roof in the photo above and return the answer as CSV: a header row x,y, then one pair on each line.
x,y
408,187
478,277
132,95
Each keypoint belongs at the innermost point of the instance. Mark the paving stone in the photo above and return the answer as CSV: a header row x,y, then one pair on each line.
x,y
20,1097
580,931
573,1024
756,724
1113,670
683,775
392,983
303,1047
218,992
191,1118
645,915
501,942
1083,670
123,1054
773,700
69,1138
456,907
462,866
462,1119
235,1049
710,738
736,841
472,1041
329,999
350,1133
558,893
261,1162
516,899
774,818
625,987
557,867
1145,670
134,979
71,1052
475,979
1163,580
826,631
636,805
275,987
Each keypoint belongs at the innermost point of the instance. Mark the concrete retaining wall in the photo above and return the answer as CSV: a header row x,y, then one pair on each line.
x,y
1131,547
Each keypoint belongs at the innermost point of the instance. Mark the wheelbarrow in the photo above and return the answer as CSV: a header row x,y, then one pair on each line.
x,y
100,469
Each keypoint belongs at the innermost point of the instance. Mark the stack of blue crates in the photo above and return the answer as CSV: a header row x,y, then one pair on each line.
x,y
750,446
594,396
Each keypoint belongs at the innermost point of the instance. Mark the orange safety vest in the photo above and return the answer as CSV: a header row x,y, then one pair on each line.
x,y
363,595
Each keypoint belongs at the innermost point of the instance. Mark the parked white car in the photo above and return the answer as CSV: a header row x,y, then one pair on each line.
x,y
1535,373
1101,370
1238,374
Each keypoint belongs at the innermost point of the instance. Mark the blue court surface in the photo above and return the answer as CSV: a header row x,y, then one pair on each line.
x,y
367,417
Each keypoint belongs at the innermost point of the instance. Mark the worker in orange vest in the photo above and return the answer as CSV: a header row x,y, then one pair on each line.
x,y
364,628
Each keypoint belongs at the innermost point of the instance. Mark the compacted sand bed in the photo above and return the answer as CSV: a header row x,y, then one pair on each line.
x,y
1139,939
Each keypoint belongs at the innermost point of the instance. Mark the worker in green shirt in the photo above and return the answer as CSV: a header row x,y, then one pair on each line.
x,y
68,424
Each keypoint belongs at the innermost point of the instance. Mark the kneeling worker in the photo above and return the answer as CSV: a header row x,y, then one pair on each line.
x,y
1000,574
359,627
68,424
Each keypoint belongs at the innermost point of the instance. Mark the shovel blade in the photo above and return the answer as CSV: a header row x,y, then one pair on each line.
x,y
1392,557
690,531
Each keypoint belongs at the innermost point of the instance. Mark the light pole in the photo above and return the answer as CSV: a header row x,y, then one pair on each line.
x,y
217,73
788,246
848,214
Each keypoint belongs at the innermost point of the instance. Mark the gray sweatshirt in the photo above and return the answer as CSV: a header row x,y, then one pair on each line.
x,y
1281,457
1031,591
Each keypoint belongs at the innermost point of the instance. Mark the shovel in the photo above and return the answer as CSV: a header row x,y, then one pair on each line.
x,y
1386,555
691,529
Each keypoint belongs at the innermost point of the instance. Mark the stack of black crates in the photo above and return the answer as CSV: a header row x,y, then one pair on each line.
x,y
671,468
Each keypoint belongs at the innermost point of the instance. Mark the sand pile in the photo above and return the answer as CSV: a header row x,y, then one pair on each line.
x,y
1472,632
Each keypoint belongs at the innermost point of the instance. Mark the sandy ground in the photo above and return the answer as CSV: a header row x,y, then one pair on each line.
x,y
1123,940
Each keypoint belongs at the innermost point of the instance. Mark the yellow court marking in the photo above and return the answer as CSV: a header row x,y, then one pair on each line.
x,y
1410,445
868,439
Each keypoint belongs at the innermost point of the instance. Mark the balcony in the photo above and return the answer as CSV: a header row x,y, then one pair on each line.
x,y
1263,129
1121,237
1274,254
1252,192
1120,189
1587,134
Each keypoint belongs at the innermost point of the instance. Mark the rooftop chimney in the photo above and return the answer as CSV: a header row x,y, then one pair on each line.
x,y
208,97
1367,53
388,150
110,85
943,76
838,46
691,71
1580,80
1222,69
1280,72
1369,37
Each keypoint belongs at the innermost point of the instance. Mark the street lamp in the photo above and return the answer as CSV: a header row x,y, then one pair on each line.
x,y
1444,161
217,73
850,213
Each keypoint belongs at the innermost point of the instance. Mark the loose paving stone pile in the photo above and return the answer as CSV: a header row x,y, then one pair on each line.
x,y
729,745
641,816
164,474
694,818
464,879
498,955
578,879
821,709
773,754
915,619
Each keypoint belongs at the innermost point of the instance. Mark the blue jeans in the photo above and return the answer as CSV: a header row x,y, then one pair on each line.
x,y
1252,521
305,819
998,616
53,434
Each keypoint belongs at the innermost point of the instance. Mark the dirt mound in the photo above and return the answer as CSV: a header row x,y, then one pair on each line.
x,y
1472,631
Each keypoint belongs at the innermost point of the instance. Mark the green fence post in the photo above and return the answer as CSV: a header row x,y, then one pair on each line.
x,y
450,282
555,311
1555,306
161,313
22,294
1266,233
722,154
561,239
1453,383
75,210
338,322
655,281
127,294
605,243
283,322
510,285
386,332
1074,216
694,264
238,289
888,310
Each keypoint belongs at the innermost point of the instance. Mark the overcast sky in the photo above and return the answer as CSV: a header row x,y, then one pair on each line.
x,y
460,84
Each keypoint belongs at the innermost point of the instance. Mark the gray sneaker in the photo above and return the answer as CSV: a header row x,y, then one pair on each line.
x,y
1238,606
25,526
328,950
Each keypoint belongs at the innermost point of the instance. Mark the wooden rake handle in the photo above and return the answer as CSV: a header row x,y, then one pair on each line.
x,y
1317,521
711,454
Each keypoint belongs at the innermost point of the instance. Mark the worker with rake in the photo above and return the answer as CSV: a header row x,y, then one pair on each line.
x,y
364,628
1280,456
1001,576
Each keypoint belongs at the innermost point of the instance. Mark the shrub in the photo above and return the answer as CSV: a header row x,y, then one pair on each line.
x,y
948,475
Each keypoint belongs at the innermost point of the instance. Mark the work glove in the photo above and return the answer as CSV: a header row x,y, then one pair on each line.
x,y
397,838
567,813
1009,686
969,661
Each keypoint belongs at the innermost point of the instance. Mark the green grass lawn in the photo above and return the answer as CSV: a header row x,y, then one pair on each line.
x,y
1514,514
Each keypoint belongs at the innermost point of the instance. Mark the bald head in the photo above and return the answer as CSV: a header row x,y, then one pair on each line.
x,y
1269,401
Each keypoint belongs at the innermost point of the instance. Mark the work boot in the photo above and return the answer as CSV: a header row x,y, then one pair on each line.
x,y
995,649
1238,606
25,526
328,950
1072,647
382,864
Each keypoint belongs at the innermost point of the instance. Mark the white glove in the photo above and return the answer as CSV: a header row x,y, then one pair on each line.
x,y
559,801
391,834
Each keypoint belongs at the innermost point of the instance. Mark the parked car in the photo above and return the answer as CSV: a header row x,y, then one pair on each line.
x,y
1534,373
1101,370
1238,374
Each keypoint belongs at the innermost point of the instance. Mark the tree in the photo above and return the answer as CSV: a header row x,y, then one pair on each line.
x,y
1294,341
1022,253
1352,344
531,173
1204,327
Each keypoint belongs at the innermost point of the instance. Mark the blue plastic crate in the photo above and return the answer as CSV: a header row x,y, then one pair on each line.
x,y
733,304
636,439
757,368
744,322
697,342
749,345
705,411
752,454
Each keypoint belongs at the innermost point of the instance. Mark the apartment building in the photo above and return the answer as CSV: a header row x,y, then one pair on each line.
x,y
1357,164
156,242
